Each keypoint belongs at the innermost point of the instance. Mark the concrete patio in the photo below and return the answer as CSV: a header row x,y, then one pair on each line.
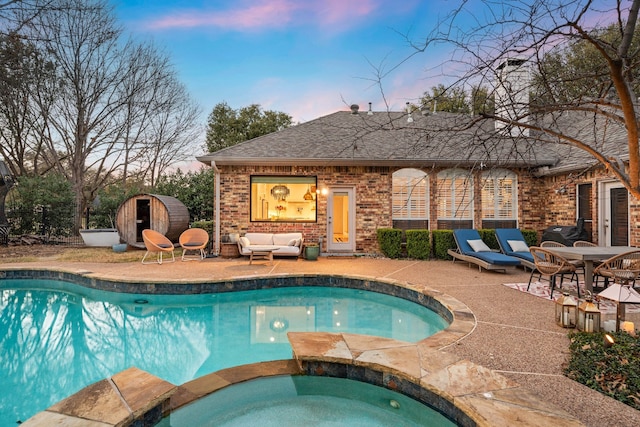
x,y
515,334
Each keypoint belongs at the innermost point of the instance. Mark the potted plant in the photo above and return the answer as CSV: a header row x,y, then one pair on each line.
x,y
311,251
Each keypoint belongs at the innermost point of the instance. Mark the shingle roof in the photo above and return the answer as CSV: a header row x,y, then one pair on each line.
x,y
441,139
600,133
385,138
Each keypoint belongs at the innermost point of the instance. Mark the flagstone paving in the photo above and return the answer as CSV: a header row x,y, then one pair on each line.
x,y
513,337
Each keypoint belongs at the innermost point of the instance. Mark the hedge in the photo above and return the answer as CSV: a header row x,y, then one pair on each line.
x,y
442,241
390,241
418,244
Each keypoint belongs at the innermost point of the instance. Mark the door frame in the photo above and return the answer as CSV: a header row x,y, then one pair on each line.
x,y
350,245
604,199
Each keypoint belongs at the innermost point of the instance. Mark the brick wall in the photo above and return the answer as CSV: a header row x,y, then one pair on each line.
x,y
542,202
372,190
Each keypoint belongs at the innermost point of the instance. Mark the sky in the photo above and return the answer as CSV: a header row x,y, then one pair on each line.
x,y
306,58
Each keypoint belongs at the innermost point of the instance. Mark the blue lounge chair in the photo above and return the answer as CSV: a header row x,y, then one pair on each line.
x,y
472,250
512,243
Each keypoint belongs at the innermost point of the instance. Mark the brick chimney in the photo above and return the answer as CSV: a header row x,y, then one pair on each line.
x,y
512,94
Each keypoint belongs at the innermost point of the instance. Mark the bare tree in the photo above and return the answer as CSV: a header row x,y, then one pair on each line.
x,y
105,97
585,107
171,130
24,68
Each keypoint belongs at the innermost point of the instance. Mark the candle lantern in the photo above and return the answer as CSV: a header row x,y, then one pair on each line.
x,y
566,307
622,295
588,315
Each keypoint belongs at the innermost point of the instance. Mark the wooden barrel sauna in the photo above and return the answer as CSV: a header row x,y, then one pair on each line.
x,y
164,214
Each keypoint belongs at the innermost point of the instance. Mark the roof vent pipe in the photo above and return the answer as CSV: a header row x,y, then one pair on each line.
x,y
354,108
370,113
409,118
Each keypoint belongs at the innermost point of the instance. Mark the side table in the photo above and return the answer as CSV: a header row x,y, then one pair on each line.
x,y
229,250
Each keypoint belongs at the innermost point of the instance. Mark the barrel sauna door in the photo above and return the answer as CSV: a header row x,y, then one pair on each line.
x,y
143,217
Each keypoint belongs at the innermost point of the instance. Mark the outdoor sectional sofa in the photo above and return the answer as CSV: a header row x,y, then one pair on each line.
x,y
288,244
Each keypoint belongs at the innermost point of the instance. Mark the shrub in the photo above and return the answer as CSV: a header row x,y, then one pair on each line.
x,y
205,225
390,241
531,237
418,244
442,241
42,205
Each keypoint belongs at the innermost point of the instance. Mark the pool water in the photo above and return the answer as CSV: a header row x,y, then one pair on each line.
x,y
305,401
57,337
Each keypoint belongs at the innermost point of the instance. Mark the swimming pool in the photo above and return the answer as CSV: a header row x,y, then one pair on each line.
x,y
58,337
302,400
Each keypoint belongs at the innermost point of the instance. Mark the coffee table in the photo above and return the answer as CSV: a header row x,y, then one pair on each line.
x,y
261,252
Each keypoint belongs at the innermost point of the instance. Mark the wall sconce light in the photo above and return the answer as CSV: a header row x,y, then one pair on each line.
x,y
324,191
566,307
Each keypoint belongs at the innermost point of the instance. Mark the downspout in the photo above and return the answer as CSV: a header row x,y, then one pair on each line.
x,y
216,209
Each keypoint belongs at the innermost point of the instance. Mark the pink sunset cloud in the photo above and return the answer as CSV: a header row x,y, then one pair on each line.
x,y
269,14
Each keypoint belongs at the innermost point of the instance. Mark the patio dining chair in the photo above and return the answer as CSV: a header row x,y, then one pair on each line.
x,y
583,244
552,266
553,244
623,269
157,243
193,239
596,277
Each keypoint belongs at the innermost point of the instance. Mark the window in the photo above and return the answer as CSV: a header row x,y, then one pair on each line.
x,y
283,198
585,206
455,199
410,194
410,199
499,206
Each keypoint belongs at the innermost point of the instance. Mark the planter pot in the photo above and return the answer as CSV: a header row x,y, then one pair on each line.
x,y
120,247
101,237
311,253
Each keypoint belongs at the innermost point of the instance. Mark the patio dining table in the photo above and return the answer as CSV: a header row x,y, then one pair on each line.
x,y
589,255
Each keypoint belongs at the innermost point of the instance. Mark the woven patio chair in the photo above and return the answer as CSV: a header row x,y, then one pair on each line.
x,y
551,244
157,243
552,266
583,244
193,239
623,269
596,277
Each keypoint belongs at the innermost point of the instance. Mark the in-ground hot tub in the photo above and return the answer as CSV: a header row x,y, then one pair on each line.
x,y
305,400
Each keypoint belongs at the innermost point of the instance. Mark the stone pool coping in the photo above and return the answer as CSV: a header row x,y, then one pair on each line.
x,y
471,394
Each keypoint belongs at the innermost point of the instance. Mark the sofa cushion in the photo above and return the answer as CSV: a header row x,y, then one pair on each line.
x,y
261,238
283,239
287,250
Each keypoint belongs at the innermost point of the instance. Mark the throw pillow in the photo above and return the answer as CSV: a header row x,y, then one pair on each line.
x,y
244,241
293,242
518,246
478,245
